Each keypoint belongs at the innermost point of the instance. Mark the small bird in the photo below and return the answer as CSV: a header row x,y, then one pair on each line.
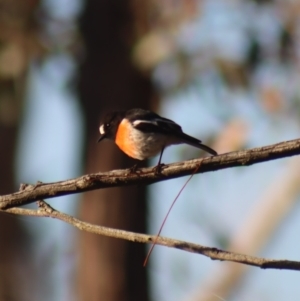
x,y
142,134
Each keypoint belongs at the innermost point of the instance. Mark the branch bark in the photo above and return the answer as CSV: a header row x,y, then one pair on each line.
x,y
45,210
32,193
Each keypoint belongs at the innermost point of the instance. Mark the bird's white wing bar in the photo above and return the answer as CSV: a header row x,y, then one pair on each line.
x,y
154,122
139,122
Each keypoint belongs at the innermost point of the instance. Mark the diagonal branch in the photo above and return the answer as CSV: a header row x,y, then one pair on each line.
x,y
32,193
216,254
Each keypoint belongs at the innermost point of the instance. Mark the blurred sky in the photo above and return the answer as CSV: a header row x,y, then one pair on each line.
x,y
213,205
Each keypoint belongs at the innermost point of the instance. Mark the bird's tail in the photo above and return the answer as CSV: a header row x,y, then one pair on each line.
x,y
197,143
207,149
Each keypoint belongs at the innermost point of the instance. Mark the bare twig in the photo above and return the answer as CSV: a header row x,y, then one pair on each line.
x,y
32,193
216,254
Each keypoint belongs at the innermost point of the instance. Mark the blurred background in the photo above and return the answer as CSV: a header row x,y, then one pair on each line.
x,y
226,70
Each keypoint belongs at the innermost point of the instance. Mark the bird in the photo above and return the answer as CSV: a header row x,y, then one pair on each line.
x,y
142,134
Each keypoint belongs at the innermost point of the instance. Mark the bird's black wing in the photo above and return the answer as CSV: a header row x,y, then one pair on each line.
x,y
150,122
147,121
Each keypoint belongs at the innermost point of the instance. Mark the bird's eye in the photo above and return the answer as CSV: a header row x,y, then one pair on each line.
x,y
107,125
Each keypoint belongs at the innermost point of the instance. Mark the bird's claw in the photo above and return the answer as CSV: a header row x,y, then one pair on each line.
x,y
133,169
158,168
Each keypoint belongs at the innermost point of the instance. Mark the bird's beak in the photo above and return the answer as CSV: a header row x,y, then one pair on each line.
x,y
101,137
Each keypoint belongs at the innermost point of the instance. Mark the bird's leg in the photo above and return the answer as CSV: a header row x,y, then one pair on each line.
x,y
160,157
157,168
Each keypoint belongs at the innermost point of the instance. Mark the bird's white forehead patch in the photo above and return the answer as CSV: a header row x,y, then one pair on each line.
x,y
101,129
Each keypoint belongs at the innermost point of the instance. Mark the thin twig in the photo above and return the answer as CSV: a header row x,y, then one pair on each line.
x,y
216,254
169,211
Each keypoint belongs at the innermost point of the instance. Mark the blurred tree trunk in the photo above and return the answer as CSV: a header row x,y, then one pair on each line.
x,y
16,30
111,269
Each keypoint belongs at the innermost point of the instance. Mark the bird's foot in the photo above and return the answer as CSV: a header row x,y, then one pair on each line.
x,y
133,169
158,168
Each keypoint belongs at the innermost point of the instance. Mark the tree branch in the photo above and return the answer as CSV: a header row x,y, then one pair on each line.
x,y
32,193
46,210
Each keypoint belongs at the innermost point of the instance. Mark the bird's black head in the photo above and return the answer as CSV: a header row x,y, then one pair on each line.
x,y
109,125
